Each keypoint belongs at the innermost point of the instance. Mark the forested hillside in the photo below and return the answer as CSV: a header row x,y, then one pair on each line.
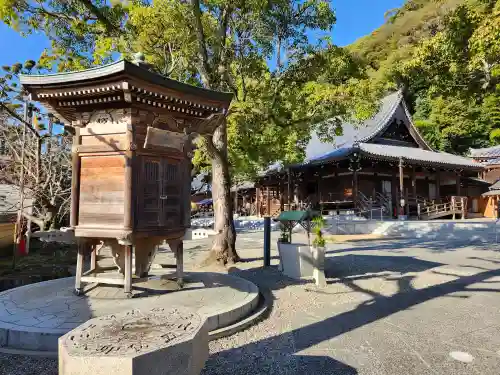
x,y
446,55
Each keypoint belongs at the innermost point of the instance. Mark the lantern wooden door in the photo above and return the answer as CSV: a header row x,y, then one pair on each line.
x,y
170,197
160,187
149,210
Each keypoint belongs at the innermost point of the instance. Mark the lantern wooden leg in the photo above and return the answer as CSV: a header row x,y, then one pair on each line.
x,y
128,271
79,270
180,263
177,248
93,260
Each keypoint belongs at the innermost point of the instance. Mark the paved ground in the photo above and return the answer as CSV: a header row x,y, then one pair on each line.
x,y
390,308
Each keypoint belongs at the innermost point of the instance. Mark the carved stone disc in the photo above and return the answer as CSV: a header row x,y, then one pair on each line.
x,y
132,333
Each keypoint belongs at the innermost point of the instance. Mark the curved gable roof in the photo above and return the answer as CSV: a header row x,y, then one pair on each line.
x,y
368,130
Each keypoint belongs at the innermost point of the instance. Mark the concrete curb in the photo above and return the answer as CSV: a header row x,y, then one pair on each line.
x,y
256,316
28,353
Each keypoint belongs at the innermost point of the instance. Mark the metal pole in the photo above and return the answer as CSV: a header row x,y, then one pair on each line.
x,y
267,241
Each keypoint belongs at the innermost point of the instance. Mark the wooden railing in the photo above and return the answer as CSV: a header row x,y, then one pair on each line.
x,y
384,201
456,206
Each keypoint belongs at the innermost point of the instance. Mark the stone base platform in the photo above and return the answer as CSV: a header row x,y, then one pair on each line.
x,y
33,317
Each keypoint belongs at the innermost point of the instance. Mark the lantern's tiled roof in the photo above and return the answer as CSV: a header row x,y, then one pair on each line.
x,y
120,67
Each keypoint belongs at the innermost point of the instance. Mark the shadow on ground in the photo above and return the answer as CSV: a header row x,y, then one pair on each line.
x,y
283,348
352,265
396,245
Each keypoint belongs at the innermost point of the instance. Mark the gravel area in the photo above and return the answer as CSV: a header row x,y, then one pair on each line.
x,y
23,365
390,308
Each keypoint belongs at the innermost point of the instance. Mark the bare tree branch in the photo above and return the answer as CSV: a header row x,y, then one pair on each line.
x,y
204,65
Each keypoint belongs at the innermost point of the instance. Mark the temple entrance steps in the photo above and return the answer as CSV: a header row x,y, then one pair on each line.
x,y
456,208
385,201
374,208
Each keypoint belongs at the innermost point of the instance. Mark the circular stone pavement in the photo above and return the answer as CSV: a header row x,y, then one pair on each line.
x,y
33,317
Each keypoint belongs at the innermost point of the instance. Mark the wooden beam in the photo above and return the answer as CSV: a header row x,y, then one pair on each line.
x,y
289,189
438,184
355,186
394,191
401,186
413,182
281,193
257,201
268,203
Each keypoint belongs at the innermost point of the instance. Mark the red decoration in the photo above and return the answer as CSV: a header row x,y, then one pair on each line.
x,y
21,248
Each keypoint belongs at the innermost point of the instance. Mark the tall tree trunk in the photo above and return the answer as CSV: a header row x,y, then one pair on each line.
x,y
224,245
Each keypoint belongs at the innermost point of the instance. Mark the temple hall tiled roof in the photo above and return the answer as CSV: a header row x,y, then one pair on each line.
x,y
418,155
408,154
486,153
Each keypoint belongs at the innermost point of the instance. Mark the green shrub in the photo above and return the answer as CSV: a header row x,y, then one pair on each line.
x,y
318,224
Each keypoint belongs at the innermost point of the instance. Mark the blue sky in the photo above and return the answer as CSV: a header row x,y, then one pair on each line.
x,y
355,19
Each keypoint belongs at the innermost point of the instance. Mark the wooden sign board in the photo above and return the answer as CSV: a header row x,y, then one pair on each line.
x,y
164,138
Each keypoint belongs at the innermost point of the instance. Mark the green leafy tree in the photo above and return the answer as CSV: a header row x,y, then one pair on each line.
x,y
445,55
224,45
258,50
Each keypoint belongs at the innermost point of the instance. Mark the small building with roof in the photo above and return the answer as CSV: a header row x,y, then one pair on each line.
x,y
383,164
489,157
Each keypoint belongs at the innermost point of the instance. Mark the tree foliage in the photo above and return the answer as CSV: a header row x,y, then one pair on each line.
x,y
259,50
446,55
